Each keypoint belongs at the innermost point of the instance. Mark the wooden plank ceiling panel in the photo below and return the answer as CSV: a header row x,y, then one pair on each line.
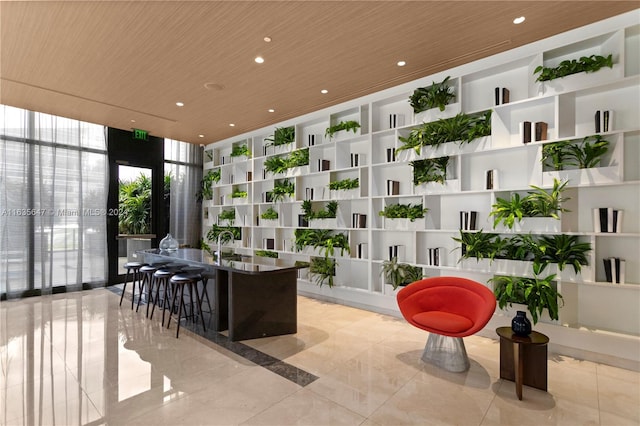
x,y
113,62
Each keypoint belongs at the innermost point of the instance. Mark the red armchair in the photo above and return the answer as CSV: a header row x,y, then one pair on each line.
x,y
449,308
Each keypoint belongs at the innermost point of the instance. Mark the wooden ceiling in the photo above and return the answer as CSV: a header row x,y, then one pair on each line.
x,y
111,62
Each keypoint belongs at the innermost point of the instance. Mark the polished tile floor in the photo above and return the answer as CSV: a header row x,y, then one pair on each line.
x,y
79,358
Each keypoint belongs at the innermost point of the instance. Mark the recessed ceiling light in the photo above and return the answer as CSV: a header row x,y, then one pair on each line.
x,y
259,59
324,91
401,63
232,125
272,110
267,39
133,121
519,20
201,136
180,104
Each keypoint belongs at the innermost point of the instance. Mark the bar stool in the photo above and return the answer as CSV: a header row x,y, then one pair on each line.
x,y
179,282
133,269
205,276
160,281
147,272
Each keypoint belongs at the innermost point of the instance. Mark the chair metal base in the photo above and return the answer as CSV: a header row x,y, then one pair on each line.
x,y
446,352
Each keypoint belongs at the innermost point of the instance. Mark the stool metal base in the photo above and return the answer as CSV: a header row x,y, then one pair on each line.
x,y
446,352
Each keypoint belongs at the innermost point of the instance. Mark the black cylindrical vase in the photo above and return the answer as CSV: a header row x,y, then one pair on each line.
x,y
520,324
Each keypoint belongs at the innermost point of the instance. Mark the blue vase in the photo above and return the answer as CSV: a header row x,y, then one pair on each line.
x,y
520,324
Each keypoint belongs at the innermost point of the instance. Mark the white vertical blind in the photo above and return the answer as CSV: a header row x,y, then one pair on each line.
x,y
183,162
53,196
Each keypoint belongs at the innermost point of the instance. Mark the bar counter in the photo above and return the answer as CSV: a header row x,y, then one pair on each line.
x,y
253,296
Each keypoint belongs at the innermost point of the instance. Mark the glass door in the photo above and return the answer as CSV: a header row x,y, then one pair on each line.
x,y
135,213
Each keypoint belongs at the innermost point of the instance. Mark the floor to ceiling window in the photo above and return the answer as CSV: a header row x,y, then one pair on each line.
x,y
53,193
183,172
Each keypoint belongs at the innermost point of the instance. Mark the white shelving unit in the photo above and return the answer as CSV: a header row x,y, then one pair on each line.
x,y
595,311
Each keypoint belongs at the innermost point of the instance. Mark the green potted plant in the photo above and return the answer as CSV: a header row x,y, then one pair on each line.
x,y
588,153
269,214
430,170
329,211
269,217
323,270
538,203
584,154
349,125
537,294
282,188
240,151
409,213
216,230
479,245
438,95
206,184
266,253
344,188
400,274
325,241
563,250
462,128
281,136
228,215
567,67
280,164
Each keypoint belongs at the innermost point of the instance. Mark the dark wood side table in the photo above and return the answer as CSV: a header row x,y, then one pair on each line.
x,y
523,359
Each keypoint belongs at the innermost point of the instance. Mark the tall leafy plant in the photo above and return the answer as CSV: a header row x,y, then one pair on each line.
x,y
135,206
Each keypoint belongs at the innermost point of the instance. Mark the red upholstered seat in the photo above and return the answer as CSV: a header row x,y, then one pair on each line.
x,y
451,306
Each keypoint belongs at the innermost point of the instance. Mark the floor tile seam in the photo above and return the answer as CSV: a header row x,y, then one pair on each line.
x,y
269,365
331,401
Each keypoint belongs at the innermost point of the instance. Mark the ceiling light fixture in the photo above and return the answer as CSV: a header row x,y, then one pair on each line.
x,y
271,110
180,104
519,20
133,121
201,136
213,86
259,59
324,91
267,39
401,63
232,125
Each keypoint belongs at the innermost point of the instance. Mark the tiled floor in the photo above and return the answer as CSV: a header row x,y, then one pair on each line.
x,y
79,358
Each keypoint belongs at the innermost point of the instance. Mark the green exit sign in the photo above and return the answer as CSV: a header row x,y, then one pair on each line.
x,y
140,134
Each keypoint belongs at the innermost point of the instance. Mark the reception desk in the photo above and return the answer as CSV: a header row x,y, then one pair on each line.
x,y
253,297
